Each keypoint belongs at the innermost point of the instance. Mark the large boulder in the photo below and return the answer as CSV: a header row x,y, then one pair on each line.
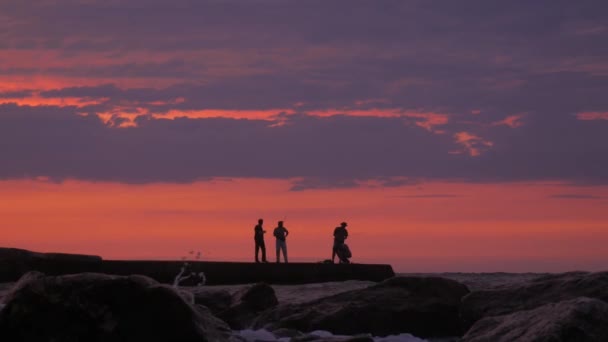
x,y
248,304
217,300
99,307
422,306
239,308
576,320
532,294
4,288
16,262
258,297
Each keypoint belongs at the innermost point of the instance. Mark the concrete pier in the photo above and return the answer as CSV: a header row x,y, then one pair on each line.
x,y
16,262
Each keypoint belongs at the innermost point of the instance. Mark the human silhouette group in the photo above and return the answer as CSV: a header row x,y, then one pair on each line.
x,y
339,249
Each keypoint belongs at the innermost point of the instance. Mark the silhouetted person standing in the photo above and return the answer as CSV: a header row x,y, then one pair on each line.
x,y
280,233
259,241
340,235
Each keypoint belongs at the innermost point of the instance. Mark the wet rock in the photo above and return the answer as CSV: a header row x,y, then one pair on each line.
x,y
247,304
283,332
326,337
575,320
532,294
258,297
422,306
215,299
99,307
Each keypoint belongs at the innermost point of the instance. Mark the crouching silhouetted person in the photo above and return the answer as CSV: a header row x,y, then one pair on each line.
x,y
340,248
280,233
259,241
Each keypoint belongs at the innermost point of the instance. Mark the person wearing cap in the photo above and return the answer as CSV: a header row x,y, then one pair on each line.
x,y
340,235
280,233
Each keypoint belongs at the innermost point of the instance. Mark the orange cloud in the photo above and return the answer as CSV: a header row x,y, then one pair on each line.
x,y
512,121
473,144
35,101
428,120
267,114
127,116
375,112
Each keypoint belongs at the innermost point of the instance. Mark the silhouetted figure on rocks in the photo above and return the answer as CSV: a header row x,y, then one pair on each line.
x,y
280,233
259,241
340,249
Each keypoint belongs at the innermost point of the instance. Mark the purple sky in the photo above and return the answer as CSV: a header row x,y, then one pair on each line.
x,y
510,82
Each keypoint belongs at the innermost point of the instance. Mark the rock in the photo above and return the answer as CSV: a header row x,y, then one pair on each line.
x,y
283,332
322,336
99,307
422,306
532,294
576,320
215,299
240,308
247,304
258,297
186,295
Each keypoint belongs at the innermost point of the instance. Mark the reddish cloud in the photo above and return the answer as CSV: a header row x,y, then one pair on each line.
x,y
512,121
374,112
592,116
472,144
429,120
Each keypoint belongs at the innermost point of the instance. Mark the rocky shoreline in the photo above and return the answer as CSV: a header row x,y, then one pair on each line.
x,y
99,307
102,307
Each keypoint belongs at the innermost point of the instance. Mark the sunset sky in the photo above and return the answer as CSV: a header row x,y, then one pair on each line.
x,y
450,135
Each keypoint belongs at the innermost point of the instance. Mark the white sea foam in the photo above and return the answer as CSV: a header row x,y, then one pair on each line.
x,y
265,335
185,273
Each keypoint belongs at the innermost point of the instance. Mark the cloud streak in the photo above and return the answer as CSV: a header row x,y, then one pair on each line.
x,y
59,143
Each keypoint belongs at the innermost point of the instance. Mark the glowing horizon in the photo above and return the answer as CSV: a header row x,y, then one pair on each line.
x,y
476,231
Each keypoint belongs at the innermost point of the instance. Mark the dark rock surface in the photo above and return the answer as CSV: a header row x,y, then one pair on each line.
x,y
98,307
258,297
316,338
422,306
248,304
534,293
238,309
575,320
282,332
217,300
